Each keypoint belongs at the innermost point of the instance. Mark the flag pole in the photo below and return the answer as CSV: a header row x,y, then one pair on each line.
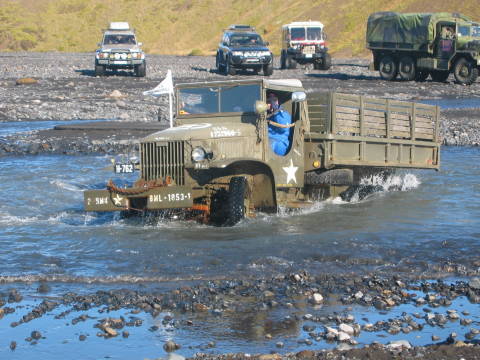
x,y
171,111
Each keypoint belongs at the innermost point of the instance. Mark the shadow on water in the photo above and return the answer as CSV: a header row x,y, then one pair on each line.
x,y
91,73
340,76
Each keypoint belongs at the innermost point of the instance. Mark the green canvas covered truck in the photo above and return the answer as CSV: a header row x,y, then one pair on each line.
x,y
415,46
217,164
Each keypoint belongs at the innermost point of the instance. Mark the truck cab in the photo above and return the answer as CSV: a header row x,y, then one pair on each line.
x,y
304,42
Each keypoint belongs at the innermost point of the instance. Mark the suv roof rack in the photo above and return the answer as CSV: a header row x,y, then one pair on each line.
x,y
241,28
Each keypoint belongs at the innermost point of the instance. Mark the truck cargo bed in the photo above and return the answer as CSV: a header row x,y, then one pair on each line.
x,y
355,130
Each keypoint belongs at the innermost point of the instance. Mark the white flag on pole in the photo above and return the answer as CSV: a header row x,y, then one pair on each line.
x,y
164,88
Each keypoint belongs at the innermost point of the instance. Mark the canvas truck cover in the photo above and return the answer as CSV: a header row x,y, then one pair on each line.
x,y
408,31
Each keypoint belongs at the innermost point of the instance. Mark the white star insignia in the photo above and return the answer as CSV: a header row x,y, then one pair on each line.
x,y
118,200
291,170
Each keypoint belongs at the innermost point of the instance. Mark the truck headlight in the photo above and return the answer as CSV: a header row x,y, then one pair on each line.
x,y
198,154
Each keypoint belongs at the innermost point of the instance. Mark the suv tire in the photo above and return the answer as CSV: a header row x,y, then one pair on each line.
x,y
291,63
141,70
218,63
388,68
465,72
326,62
283,60
229,69
406,68
268,69
99,70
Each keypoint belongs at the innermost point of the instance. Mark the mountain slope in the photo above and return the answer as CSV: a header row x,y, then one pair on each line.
x,y
194,26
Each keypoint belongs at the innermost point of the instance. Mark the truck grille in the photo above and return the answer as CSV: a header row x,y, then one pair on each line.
x,y
159,160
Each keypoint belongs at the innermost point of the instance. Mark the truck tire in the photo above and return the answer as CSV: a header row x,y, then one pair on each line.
x,y
421,75
388,68
237,201
465,72
99,70
326,62
141,70
439,75
268,69
291,63
406,68
283,60
229,69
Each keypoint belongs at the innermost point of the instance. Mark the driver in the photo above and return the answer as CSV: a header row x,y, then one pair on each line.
x,y
279,126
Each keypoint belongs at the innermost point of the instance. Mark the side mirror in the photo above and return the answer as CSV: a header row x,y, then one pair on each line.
x,y
140,44
299,96
260,107
266,43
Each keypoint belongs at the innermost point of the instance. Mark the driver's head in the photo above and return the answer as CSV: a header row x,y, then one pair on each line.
x,y
272,102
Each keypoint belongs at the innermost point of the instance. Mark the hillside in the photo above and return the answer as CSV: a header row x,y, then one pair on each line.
x,y
194,26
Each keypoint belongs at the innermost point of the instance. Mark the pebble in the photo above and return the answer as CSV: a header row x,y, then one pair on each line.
x,y
170,346
13,345
317,298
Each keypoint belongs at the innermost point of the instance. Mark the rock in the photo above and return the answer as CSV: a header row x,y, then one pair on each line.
x,y
317,298
26,81
474,283
342,336
268,294
270,357
116,94
2,313
170,346
82,337
344,347
13,345
398,345
346,329
280,344
200,307
36,335
435,338
110,331
43,288
305,354
125,334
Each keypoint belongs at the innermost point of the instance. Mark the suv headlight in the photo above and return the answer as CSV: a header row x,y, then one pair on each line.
x,y
237,53
264,53
198,154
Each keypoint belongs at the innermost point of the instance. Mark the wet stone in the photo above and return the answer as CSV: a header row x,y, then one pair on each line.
x,y
36,335
82,337
13,345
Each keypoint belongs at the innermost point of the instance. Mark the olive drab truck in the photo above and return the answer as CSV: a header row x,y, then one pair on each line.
x,y
217,165
304,42
414,46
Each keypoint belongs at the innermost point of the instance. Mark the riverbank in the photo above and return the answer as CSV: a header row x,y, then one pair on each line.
x,y
65,89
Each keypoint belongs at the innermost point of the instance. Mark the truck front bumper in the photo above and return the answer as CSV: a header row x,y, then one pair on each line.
x,y
308,58
119,63
164,197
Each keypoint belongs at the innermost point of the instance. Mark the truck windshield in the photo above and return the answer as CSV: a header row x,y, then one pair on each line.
x,y
216,99
314,33
119,40
476,31
297,34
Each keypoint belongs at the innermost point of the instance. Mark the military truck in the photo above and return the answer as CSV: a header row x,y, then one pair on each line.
x,y
304,42
119,49
417,45
217,165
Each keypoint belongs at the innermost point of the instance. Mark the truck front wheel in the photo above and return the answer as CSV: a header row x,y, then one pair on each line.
x,y
388,68
406,68
237,202
465,72
326,62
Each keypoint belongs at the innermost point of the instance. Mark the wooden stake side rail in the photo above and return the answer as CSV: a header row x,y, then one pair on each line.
x,y
359,130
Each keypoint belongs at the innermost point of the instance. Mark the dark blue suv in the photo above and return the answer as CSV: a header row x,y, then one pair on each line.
x,y
242,48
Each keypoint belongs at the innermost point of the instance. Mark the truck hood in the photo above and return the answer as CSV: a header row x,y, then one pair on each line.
x,y
202,131
124,47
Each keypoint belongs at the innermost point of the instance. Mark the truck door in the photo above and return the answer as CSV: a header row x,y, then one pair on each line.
x,y
288,167
446,40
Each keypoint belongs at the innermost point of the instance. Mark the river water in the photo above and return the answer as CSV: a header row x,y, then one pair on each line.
x,y
422,221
